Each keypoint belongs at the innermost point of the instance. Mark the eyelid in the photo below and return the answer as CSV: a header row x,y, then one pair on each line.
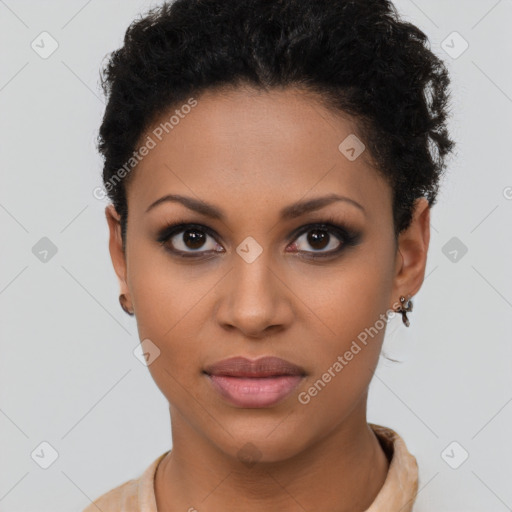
x,y
174,228
327,225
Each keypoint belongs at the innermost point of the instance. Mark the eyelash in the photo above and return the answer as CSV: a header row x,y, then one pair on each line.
x,y
347,236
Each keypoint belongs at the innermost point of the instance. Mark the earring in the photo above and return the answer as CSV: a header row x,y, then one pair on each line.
x,y
122,299
405,310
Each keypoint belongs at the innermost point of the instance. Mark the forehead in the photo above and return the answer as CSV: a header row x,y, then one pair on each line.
x,y
236,146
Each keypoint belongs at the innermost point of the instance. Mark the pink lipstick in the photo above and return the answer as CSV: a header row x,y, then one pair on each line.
x,y
254,384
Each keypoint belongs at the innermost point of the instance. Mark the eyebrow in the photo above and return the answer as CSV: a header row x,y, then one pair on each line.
x,y
289,212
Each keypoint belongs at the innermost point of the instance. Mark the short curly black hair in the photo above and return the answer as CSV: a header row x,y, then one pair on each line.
x,y
358,56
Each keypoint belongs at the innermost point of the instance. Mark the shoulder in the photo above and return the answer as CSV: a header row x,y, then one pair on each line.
x,y
401,485
120,499
135,495
401,459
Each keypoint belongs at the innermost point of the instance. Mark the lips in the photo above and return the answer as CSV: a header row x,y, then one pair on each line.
x,y
254,384
263,367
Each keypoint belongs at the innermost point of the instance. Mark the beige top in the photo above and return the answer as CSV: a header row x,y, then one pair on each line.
x,y
396,495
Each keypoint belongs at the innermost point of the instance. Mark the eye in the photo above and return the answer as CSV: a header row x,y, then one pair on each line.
x,y
189,240
325,239
319,239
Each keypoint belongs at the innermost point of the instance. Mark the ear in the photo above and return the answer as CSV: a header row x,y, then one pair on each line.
x,y
115,246
411,257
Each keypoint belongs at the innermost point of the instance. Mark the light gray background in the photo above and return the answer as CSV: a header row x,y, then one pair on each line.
x,y
68,375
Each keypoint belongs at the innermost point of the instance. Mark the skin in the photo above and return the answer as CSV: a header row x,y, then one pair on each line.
x,y
251,154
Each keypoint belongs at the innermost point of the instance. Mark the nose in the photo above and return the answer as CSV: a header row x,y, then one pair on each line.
x,y
255,299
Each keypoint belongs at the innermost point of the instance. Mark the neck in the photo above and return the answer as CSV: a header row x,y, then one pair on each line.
x,y
343,472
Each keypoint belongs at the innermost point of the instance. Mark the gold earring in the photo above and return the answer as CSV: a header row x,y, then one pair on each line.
x,y
122,299
405,309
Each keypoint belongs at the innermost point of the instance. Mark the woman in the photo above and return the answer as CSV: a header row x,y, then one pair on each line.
x,y
271,167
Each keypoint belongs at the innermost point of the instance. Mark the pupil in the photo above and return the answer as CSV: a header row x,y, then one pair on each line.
x,y
193,238
318,238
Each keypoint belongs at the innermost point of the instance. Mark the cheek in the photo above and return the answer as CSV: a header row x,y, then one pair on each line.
x,y
170,309
352,309
164,292
167,317
351,297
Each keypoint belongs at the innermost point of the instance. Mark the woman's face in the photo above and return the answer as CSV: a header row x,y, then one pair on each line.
x,y
247,282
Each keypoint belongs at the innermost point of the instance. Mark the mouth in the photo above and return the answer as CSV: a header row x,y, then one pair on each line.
x,y
254,384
